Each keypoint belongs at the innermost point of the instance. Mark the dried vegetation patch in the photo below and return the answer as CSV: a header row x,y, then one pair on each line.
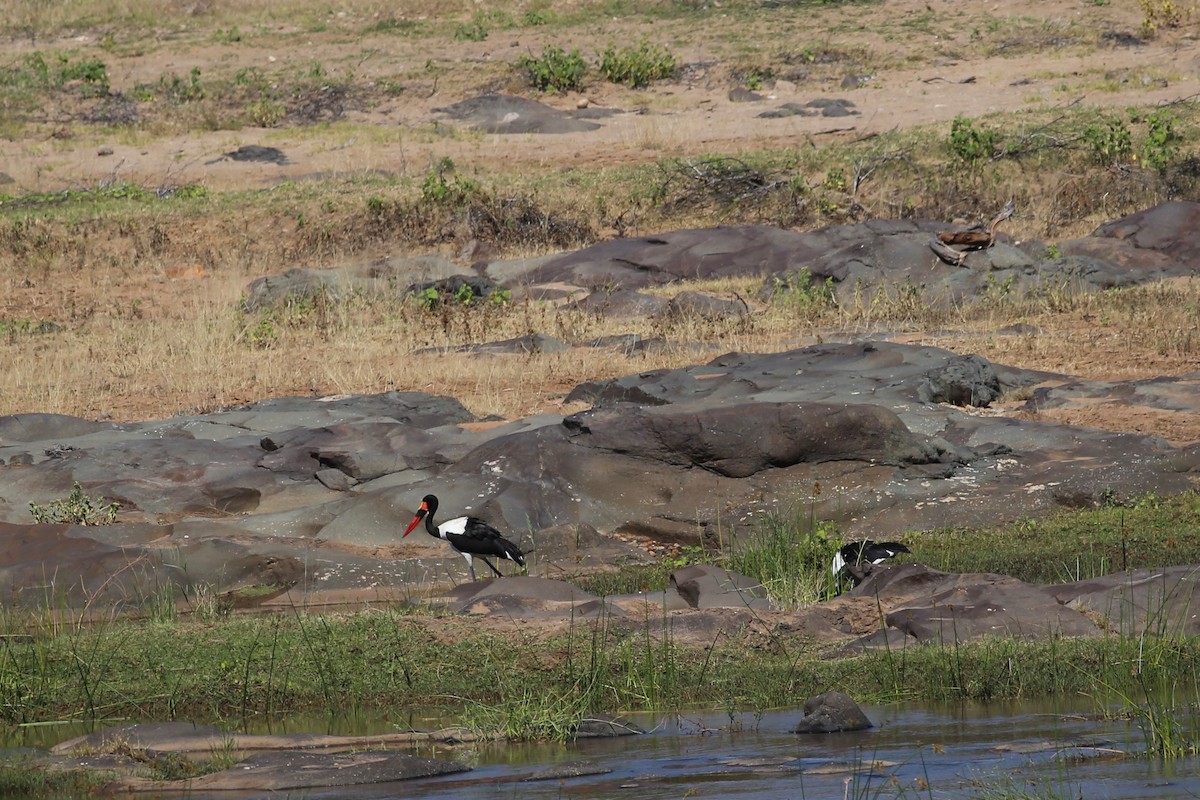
x,y
121,294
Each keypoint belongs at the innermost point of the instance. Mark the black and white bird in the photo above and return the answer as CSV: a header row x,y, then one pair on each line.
x,y
469,536
864,552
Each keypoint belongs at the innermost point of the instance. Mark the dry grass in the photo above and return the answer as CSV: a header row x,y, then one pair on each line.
x,y
147,292
202,353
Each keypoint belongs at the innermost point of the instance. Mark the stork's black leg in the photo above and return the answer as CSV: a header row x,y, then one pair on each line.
x,y
493,566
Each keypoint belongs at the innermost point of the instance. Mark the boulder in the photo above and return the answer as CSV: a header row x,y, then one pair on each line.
x,y
940,608
832,712
742,439
706,586
1165,601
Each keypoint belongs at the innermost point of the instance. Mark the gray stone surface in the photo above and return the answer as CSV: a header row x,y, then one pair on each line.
x,y
241,497
832,712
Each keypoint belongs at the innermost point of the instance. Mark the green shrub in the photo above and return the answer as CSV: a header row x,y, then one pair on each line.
x,y
636,67
443,187
475,31
971,144
89,72
1110,141
267,113
556,70
1161,139
180,91
76,509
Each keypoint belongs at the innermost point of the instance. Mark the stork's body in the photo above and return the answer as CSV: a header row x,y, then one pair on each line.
x,y
865,552
469,536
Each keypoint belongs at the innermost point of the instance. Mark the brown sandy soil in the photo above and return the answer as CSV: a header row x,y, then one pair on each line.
x,y
916,62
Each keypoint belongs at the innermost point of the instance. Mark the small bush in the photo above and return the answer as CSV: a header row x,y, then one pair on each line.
x,y
636,67
475,31
1110,141
89,72
802,293
971,144
1158,14
181,91
556,70
443,187
267,113
76,509
1161,140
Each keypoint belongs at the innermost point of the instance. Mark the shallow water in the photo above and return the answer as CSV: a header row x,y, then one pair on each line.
x,y
1030,749
916,751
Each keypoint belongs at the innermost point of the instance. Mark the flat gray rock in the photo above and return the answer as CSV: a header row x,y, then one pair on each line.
x,y
499,113
303,495
875,258
288,771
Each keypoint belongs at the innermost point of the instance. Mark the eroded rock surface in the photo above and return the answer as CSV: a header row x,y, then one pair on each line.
x,y
246,497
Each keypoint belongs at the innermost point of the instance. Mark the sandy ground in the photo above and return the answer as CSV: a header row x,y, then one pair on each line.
x,y
971,59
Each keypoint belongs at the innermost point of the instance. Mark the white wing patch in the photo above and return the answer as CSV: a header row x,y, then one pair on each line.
x,y
457,525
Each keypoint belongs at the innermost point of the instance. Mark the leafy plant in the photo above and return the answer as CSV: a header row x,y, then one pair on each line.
x,y
444,186
228,37
474,31
1110,140
263,332
181,91
1161,139
801,292
637,66
90,72
267,113
1158,14
971,144
555,69
76,509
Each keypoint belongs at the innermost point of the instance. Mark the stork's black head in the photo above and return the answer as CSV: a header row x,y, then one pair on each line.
x,y
429,504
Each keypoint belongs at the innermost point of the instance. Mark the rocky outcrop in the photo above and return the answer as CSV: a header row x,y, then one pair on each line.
x,y
239,498
832,712
878,259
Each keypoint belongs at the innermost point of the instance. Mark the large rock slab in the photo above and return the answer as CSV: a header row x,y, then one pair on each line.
x,y
1162,601
288,771
304,496
879,257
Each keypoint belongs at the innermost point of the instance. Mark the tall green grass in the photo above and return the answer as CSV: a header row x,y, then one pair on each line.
x,y
1073,545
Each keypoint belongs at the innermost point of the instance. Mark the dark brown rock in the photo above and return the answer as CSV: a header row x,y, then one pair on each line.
x,y
832,712
706,586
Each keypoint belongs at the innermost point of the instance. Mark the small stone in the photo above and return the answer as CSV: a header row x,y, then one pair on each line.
x,y
104,151
335,479
582,102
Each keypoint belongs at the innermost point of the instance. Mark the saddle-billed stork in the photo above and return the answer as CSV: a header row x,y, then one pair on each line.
x,y
864,552
469,536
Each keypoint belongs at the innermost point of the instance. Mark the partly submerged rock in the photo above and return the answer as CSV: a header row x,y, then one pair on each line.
x,y
832,712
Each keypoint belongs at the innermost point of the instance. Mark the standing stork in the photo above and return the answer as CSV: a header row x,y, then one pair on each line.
x,y
469,536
